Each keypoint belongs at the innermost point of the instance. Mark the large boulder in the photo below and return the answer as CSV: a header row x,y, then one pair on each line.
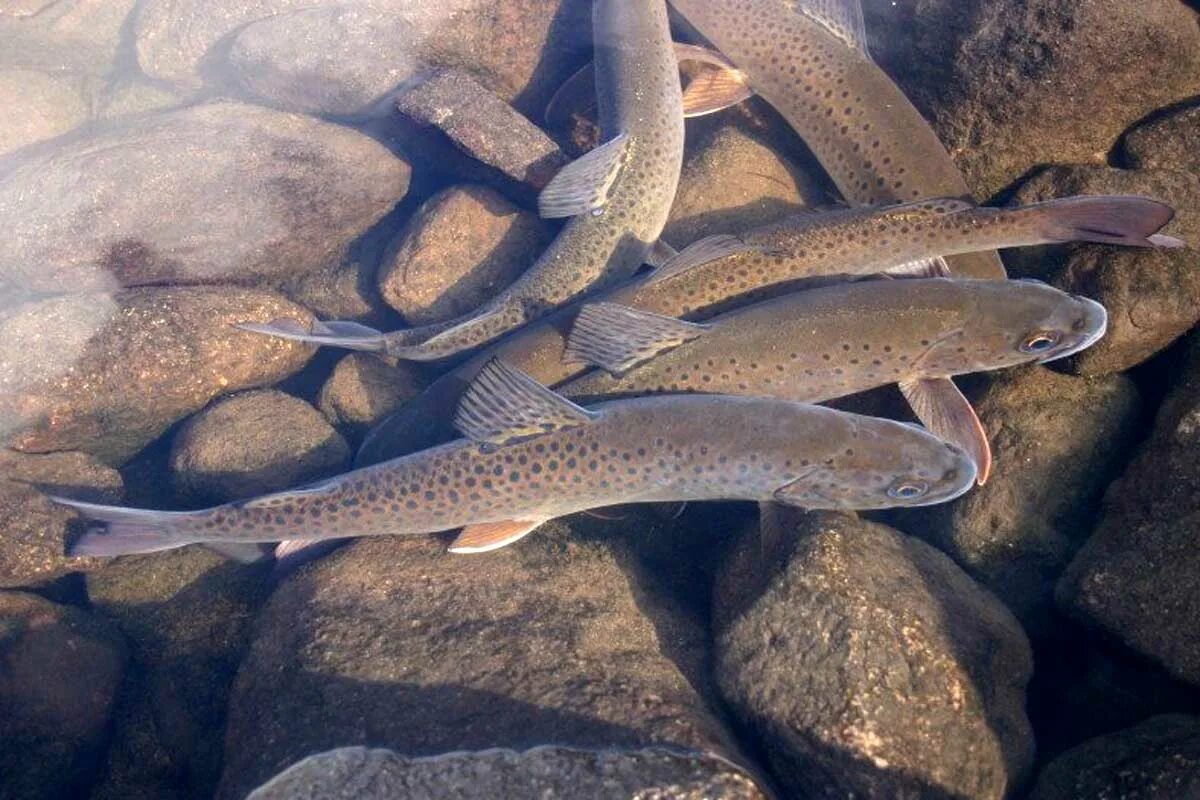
x,y
221,192
107,374
60,669
364,388
865,663
1168,141
57,36
1138,577
1011,84
41,105
395,642
356,773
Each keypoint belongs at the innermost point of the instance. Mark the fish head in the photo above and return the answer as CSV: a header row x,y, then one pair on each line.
x,y
1015,322
886,464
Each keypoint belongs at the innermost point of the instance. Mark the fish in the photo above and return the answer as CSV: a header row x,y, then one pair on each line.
x,y
714,276
618,196
836,341
531,455
809,60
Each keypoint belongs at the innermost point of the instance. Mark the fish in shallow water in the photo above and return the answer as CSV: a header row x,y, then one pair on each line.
x,y
809,60
725,273
619,196
532,455
828,343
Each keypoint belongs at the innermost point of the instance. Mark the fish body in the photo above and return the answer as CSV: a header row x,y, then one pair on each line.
x,y
808,59
644,450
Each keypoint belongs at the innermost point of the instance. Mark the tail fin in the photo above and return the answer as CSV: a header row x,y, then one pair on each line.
x,y
350,335
1109,219
116,531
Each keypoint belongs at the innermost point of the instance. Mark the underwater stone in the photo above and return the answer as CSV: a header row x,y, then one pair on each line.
x,y
1168,141
866,663
48,105
77,36
364,388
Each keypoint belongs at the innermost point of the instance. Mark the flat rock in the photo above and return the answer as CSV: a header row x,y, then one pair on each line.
x,y
364,388
252,444
1057,442
1152,296
49,105
463,246
356,773
1138,577
520,50
1012,84
33,531
413,648
107,374
1156,760
293,191
187,615
865,663
1167,141
59,671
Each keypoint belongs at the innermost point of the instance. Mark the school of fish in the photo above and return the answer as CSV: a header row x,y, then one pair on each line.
x,y
698,380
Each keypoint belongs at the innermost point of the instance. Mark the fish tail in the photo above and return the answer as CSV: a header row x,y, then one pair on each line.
x,y
1108,219
117,531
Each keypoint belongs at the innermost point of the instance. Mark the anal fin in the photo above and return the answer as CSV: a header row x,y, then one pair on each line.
x,y
488,536
941,407
618,338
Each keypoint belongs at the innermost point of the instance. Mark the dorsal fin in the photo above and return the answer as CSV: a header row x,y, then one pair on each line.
x,y
702,251
584,185
842,18
503,405
617,338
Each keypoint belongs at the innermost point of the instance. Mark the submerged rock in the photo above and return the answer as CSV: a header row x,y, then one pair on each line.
x,y
254,443
1138,577
867,664
41,106
1057,442
1168,141
395,642
80,36
1160,758
59,671
356,773
34,531
107,374
1011,84
222,192
464,245
364,388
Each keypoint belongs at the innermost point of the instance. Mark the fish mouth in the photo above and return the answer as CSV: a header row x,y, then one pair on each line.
x,y
1095,318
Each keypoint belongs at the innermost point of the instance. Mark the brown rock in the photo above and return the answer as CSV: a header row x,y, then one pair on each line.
x,y
78,36
48,105
254,443
364,388
34,531
464,245
107,374
1168,141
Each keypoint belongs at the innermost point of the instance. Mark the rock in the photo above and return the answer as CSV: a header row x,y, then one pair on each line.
x,y
734,178
1168,141
867,664
107,374
135,96
1152,296
79,36
1057,442
356,773
59,670
229,193
1138,577
364,388
1012,84
1160,758
187,614
34,531
484,127
415,649
464,245
49,105
254,443
520,50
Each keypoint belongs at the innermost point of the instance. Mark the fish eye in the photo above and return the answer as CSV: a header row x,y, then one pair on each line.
x,y
1040,341
907,489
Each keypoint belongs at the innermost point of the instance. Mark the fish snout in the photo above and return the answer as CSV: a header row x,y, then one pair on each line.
x,y
1089,325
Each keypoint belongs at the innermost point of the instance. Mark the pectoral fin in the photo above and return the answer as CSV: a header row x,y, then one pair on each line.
x,y
618,338
935,267
584,185
503,405
717,85
492,535
939,404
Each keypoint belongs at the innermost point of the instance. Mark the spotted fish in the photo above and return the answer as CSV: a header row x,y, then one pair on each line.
x,y
809,60
828,343
531,455
618,196
716,275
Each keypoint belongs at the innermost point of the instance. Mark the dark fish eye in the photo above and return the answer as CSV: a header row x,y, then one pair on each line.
x,y
1040,341
907,489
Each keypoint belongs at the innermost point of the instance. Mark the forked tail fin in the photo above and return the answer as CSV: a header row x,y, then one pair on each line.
x,y
1108,219
116,531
